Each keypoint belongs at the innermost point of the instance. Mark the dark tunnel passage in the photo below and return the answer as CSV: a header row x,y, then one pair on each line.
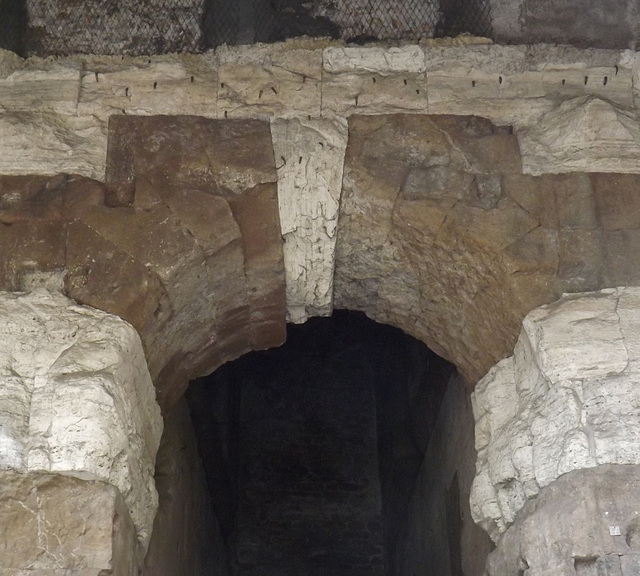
x,y
336,454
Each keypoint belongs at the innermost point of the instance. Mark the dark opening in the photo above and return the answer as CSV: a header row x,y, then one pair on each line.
x,y
312,451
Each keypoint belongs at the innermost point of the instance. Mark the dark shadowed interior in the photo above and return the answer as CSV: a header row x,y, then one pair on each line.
x,y
315,452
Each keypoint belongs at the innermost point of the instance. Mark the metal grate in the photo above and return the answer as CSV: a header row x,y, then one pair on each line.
x,y
362,20
139,27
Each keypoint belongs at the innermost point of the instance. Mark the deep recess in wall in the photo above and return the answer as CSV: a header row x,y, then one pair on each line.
x,y
312,450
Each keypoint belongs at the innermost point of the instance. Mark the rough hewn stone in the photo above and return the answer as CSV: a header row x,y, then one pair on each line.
x,y
54,113
374,80
517,85
169,84
567,399
43,142
585,523
582,134
263,81
55,525
442,235
188,247
77,398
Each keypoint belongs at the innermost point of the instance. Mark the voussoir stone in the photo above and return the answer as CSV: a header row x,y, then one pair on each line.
x,y
183,240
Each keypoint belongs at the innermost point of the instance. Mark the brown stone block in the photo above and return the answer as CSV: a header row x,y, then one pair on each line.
x,y
581,260
617,199
55,524
206,217
102,275
189,152
574,200
535,252
533,194
487,149
621,257
29,247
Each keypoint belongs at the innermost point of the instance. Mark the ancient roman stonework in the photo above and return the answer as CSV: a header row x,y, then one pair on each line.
x,y
446,189
77,400
566,400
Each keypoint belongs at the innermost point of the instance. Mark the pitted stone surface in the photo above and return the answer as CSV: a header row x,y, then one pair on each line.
x,y
311,156
585,523
77,398
585,134
567,399
54,112
55,525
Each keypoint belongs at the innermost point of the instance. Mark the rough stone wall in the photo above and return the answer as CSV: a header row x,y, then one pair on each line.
x,y
76,399
572,110
186,537
585,523
54,524
439,536
183,241
566,400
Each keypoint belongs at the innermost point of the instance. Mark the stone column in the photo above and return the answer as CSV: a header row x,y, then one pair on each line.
x,y
557,482
79,432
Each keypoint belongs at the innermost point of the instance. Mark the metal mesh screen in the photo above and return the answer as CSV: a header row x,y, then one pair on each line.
x,y
136,27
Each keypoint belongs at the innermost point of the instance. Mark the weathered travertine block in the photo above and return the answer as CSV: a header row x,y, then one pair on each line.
x,y
518,84
77,398
261,81
584,134
41,85
585,523
310,156
51,143
373,80
567,399
55,525
172,84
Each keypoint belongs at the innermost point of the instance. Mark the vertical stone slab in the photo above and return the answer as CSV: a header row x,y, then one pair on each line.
x,y
309,157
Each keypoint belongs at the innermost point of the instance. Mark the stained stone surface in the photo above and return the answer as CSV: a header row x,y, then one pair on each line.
x,y
55,525
183,241
54,112
567,399
77,398
442,235
585,523
263,81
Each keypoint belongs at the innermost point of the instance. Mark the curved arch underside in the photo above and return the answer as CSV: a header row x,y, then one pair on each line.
x,y
439,233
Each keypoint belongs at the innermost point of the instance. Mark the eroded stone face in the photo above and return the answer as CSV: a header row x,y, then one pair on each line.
x,y
76,398
57,525
567,399
584,523
183,241
441,234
